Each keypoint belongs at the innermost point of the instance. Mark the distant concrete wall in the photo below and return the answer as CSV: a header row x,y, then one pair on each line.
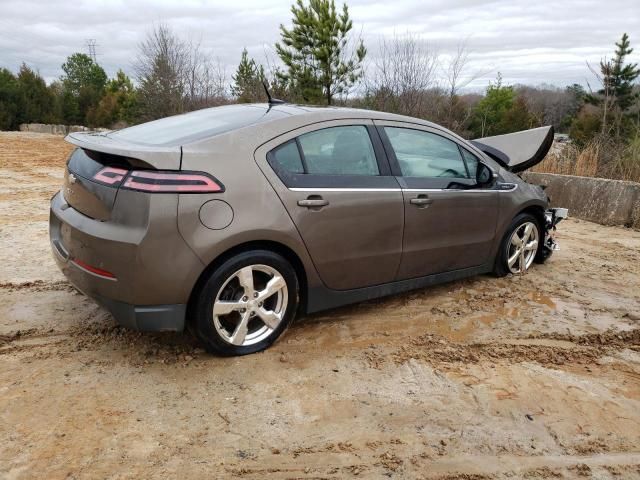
x,y
608,202
54,129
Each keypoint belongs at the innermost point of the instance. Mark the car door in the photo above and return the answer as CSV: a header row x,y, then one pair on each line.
x,y
335,182
450,224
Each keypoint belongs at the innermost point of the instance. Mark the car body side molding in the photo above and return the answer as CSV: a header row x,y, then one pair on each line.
x,y
322,298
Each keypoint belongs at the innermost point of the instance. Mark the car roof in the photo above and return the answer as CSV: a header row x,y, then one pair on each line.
x,y
335,112
208,123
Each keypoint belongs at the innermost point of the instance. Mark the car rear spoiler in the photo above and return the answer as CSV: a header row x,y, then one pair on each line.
x,y
520,150
161,158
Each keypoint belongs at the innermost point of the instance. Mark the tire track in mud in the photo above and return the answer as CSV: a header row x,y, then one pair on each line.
x,y
91,336
462,467
548,349
544,349
38,286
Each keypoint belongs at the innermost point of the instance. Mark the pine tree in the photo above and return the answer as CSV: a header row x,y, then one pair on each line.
x,y
83,83
119,104
35,100
501,111
247,82
617,94
9,94
621,77
316,53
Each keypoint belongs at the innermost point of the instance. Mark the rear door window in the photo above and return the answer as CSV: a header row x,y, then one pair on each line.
x,y
339,151
343,156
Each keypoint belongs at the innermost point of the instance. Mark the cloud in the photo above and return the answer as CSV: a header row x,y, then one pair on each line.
x,y
528,41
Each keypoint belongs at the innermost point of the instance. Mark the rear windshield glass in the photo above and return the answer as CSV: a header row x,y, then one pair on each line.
x,y
87,163
194,126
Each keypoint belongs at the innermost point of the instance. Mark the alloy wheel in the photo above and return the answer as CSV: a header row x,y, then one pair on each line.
x,y
250,305
522,248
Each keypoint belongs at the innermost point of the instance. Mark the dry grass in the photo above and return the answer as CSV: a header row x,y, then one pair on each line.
x,y
599,158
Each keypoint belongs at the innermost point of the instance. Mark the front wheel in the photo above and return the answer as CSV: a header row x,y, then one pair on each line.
x,y
246,303
519,246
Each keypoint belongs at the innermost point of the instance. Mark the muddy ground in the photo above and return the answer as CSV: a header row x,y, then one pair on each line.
x,y
534,376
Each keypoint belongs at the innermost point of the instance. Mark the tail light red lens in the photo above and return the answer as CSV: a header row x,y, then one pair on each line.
x,y
110,176
159,181
172,182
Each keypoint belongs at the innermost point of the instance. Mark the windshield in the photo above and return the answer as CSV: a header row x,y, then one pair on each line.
x,y
194,126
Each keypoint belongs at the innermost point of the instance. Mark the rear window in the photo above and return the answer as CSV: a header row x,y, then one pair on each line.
x,y
86,163
194,126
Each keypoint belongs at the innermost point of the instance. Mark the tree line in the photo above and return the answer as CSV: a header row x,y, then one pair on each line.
x,y
321,61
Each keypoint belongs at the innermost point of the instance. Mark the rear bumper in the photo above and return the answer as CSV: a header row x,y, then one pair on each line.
x,y
153,270
154,318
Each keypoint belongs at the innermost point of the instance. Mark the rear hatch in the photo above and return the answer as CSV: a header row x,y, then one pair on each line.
x,y
83,192
96,169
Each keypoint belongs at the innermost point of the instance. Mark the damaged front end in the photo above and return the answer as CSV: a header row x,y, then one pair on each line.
x,y
517,152
552,217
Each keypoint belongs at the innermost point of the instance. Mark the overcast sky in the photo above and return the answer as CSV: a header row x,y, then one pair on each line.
x,y
528,41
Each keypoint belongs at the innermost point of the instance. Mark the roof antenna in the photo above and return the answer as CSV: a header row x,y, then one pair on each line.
x,y
271,100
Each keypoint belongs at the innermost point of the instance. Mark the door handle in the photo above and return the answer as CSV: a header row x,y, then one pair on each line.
x,y
422,201
314,201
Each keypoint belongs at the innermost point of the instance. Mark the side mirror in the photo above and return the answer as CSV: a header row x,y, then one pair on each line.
x,y
485,177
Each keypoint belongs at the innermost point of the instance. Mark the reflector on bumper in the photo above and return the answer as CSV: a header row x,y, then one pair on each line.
x,y
94,270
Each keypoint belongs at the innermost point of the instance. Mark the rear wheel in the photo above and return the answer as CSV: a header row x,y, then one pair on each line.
x,y
246,303
519,246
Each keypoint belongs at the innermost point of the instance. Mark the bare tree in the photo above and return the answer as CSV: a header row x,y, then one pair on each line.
x,y
548,104
455,68
402,72
606,95
205,79
457,76
160,71
176,75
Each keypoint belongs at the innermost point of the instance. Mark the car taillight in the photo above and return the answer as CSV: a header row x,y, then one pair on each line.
x,y
172,182
159,181
110,176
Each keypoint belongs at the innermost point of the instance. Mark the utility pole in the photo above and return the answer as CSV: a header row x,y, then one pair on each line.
x,y
91,45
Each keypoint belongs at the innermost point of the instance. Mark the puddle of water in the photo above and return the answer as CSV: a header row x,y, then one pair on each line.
x,y
509,312
542,299
445,328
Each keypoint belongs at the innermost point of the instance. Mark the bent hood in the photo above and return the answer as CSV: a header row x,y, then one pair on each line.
x,y
520,150
158,157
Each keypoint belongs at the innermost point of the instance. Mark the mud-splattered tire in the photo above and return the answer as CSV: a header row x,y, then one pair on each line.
x,y
543,254
524,228
245,304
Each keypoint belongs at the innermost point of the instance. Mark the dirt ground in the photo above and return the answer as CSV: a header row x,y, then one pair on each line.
x,y
533,376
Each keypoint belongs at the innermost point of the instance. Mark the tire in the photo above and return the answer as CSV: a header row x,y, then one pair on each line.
x,y
543,254
239,302
501,267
